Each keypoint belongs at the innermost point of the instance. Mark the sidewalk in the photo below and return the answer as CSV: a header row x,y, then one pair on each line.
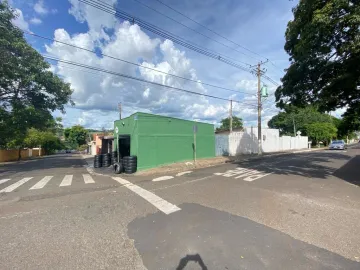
x,y
189,165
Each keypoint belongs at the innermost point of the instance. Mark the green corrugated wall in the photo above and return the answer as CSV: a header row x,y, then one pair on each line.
x,y
158,140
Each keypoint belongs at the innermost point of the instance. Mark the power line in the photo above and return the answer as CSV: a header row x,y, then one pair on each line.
x,y
209,29
166,16
138,79
163,33
132,63
216,33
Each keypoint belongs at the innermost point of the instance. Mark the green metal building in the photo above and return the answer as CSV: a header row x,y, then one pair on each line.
x,y
158,140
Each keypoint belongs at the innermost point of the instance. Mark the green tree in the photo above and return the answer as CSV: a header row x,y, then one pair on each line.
x,y
29,92
323,42
46,139
76,135
300,118
321,132
237,123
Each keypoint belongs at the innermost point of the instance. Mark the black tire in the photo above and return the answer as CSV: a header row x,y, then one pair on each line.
x,y
130,171
97,158
118,168
130,164
130,158
130,167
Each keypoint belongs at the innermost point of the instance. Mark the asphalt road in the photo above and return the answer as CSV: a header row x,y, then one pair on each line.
x,y
294,211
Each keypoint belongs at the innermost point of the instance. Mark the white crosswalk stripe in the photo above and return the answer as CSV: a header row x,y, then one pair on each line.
x,y
15,185
42,183
66,181
4,181
88,179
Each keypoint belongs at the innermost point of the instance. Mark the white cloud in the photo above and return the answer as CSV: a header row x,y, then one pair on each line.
x,y
19,21
35,21
97,94
40,8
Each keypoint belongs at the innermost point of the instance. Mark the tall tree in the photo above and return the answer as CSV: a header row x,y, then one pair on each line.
x,y
237,123
76,135
29,92
323,42
321,132
298,118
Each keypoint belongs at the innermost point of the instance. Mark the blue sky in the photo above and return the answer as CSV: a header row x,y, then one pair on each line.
x,y
256,25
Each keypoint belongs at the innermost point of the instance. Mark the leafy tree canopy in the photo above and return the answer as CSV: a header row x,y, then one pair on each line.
x,y
46,139
76,134
237,123
323,42
29,92
300,117
321,132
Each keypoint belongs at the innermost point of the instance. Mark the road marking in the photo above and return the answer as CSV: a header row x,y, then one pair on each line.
x,y
15,185
163,178
155,200
182,173
42,182
4,180
255,177
183,183
88,179
66,181
248,174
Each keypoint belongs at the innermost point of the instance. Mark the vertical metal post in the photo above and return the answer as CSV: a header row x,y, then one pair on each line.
x,y
294,126
230,112
259,108
195,149
117,146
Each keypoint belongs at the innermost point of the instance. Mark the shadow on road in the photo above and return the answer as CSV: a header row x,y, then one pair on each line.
x,y
191,258
225,241
350,171
318,165
48,162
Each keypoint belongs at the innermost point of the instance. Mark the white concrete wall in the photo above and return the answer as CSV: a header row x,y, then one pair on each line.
x,y
246,142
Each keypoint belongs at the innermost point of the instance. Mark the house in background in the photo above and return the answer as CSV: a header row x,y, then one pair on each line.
x,y
101,144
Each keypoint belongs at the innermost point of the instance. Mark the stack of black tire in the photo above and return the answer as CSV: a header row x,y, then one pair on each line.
x,y
113,157
130,164
106,160
98,161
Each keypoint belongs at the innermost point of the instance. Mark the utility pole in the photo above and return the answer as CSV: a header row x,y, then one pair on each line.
x,y
294,126
258,73
120,108
230,115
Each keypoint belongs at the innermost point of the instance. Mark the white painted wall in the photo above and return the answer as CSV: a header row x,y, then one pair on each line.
x,y
246,142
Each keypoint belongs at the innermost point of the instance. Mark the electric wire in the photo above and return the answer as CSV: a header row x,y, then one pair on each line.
x,y
139,79
214,32
166,16
135,64
165,34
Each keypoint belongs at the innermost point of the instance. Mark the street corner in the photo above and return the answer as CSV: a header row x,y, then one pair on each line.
x,y
213,239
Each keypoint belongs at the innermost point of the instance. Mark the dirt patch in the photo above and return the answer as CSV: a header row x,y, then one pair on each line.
x,y
187,165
